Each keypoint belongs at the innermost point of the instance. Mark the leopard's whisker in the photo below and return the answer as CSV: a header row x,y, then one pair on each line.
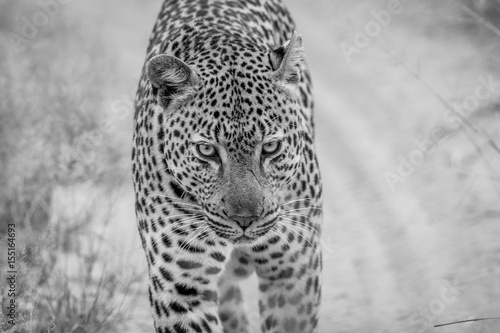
x,y
297,200
306,229
315,228
180,215
182,222
298,215
289,227
280,235
304,226
191,238
163,195
180,207
305,208
179,203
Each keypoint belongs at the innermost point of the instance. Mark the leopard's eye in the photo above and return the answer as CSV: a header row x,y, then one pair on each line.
x,y
271,147
206,150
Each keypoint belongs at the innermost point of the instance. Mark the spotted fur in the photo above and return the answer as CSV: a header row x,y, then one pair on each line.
x,y
224,169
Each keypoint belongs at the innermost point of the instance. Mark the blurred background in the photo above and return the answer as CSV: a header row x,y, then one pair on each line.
x,y
408,135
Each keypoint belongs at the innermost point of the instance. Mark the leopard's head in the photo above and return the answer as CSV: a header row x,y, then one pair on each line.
x,y
232,131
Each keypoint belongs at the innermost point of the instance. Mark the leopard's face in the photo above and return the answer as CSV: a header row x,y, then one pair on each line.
x,y
235,151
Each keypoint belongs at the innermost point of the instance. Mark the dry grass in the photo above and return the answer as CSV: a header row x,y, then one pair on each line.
x,y
85,296
53,136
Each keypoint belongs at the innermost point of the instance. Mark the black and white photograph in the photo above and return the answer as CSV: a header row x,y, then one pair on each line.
x,y
250,166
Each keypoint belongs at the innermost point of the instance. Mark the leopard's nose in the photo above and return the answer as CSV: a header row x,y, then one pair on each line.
x,y
244,221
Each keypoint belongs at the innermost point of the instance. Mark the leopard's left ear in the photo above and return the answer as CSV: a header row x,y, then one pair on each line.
x,y
173,81
286,61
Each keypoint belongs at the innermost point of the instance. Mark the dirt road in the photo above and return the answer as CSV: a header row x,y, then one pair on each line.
x,y
400,259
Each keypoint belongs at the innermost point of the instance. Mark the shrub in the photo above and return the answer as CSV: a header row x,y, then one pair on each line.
x,y
52,135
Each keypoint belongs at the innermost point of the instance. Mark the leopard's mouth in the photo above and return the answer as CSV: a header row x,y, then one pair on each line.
x,y
228,231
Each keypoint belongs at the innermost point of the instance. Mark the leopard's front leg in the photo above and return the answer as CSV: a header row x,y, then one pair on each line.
x,y
184,269
290,288
231,306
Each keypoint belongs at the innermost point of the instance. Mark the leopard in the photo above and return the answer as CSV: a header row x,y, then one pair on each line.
x,y
225,173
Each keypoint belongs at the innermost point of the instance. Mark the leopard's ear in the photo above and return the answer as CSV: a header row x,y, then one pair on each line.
x,y
173,81
286,61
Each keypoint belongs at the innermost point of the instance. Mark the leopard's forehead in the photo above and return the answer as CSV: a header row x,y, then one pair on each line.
x,y
239,106
237,101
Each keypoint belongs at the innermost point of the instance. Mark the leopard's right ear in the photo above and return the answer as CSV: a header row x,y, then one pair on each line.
x,y
286,61
173,81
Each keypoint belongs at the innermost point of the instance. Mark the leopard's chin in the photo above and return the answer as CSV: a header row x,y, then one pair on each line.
x,y
244,240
